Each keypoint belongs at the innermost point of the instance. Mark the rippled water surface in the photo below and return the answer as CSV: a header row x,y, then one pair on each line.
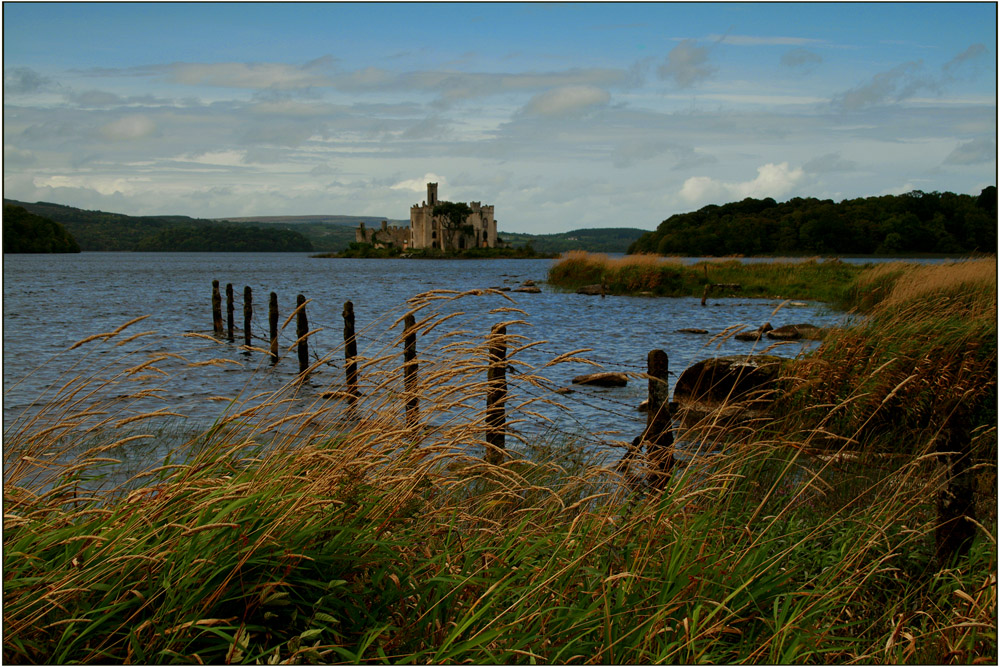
x,y
52,301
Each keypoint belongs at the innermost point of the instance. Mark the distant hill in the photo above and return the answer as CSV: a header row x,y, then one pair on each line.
x,y
27,232
327,233
605,239
102,231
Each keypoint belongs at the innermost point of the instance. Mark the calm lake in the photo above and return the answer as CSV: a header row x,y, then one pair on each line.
x,y
52,301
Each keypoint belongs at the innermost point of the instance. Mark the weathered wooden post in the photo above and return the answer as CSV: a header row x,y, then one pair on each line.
x,y
301,330
410,369
956,501
229,311
247,314
216,308
272,320
496,394
350,353
704,295
658,437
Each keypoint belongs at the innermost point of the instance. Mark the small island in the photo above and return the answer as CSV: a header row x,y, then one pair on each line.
x,y
438,230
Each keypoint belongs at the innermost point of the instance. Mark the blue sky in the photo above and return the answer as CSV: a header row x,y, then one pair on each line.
x,y
561,115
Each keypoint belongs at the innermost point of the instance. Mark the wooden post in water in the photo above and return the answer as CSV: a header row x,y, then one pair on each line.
x,y
410,370
956,501
350,353
301,329
216,308
704,295
247,314
229,311
272,320
658,437
496,394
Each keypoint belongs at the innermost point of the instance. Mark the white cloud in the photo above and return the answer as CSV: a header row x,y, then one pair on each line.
x,y
567,100
801,59
750,40
773,180
687,64
129,128
248,75
419,184
978,151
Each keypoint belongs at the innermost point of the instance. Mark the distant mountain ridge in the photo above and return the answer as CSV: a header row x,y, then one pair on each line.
x,y
103,231
100,230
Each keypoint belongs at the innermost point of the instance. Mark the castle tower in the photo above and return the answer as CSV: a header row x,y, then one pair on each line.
x,y
432,194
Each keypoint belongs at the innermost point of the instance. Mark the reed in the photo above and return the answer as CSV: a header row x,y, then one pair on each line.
x,y
304,529
812,279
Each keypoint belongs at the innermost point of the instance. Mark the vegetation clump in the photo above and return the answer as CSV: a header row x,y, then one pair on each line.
x,y
811,279
303,530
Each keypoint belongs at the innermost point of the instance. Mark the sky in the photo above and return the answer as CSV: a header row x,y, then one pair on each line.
x,y
563,116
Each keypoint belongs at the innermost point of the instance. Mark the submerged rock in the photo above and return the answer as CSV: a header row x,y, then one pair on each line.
x,y
602,379
593,290
754,335
693,331
527,290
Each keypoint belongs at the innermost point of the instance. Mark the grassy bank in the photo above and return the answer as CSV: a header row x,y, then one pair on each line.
x,y
334,533
818,280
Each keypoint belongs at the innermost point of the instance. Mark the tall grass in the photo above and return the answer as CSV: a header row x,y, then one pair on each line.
x,y
301,529
812,279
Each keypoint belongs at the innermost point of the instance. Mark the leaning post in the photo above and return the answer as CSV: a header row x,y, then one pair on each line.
x,y
301,332
658,437
272,320
704,295
956,504
216,308
229,311
410,369
496,394
247,314
350,353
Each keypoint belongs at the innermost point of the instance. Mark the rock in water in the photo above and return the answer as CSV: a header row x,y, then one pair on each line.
x,y
725,379
602,379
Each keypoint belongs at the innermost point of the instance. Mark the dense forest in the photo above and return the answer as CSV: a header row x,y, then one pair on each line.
x,y
24,231
916,222
102,231
605,239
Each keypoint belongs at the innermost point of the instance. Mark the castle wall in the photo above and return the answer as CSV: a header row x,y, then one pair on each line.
x,y
425,231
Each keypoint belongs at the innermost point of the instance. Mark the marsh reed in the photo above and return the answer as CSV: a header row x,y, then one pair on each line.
x,y
303,527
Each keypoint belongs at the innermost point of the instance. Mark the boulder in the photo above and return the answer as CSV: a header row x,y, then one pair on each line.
x,y
754,335
727,379
527,290
787,332
602,379
795,332
593,290
528,283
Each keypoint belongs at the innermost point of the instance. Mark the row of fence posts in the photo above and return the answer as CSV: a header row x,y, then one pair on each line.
x,y
496,394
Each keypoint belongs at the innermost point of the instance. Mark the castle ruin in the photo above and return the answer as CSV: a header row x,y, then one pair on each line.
x,y
429,231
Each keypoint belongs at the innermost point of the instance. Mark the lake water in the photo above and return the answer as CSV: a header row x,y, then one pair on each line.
x,y
52,301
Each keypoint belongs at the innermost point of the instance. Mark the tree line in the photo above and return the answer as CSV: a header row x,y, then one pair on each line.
x,y
103,231
915,222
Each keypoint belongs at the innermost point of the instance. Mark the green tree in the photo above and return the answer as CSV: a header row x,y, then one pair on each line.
x,y
453,217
